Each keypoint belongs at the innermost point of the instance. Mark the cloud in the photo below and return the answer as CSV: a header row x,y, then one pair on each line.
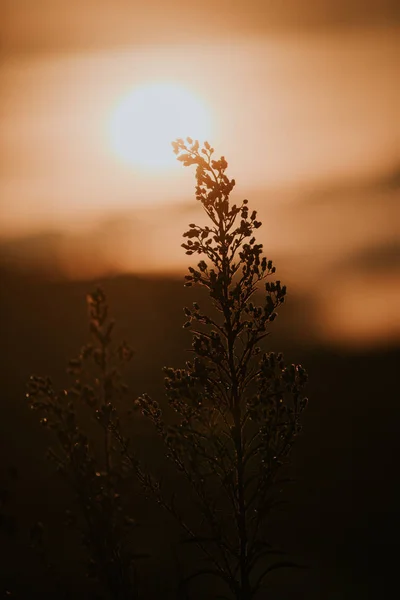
x,y
372,259
342,226
52,25
340,256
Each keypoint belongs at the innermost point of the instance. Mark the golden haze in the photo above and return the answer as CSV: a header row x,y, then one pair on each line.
x,y
308,120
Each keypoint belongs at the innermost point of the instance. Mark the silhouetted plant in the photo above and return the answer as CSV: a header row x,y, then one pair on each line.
x,y
237,408
96,471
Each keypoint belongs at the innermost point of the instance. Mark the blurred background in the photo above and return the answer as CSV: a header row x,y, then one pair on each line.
x,y
303,100
301,97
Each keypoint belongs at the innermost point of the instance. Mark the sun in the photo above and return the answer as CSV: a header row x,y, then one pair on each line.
x,y
146,121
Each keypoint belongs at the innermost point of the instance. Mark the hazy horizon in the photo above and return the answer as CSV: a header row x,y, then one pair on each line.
x,y
304,105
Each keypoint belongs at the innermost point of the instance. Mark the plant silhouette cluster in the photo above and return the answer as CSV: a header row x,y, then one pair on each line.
x,y
235,410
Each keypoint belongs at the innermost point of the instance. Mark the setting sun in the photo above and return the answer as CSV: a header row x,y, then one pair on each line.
x,y
144,123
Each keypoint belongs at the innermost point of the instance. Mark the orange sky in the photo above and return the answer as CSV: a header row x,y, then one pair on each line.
x,y
304,105
47,25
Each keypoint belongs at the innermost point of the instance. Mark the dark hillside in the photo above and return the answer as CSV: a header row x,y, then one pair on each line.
x,y
343,512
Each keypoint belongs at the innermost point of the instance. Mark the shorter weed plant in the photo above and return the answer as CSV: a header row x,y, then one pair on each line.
x,y
94,468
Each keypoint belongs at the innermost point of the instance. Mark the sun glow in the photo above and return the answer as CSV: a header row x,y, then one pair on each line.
x,y
150,117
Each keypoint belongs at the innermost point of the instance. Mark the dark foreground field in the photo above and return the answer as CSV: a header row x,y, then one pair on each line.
x,y
343,515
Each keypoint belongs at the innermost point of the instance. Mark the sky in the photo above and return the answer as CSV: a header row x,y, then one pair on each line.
x,y
54,25
301,98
